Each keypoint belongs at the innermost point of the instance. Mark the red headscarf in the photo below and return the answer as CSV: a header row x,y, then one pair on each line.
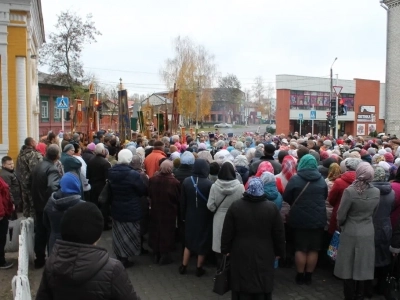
x,y
264,166
41,147
288,167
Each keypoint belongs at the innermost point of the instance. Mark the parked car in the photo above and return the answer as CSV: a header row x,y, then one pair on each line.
x,y
223,125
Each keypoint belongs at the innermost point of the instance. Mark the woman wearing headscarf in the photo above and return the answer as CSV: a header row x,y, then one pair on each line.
x,y
288,170
270,189
242,167
333,174
186,167
336,192
197,217
126,189
306,193
164,192
226,190
383,229
253,236
394,216
264,166
356,253
137,165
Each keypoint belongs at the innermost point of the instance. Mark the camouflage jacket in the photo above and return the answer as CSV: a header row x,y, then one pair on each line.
x,y
27,160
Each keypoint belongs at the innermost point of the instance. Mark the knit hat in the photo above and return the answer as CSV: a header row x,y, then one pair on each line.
x,y
82,223
389,157
382,152
70,184
125,156
269,149
267,177
202,146
328,143
91,146
187,158
68,147
352,163
241,161
255,187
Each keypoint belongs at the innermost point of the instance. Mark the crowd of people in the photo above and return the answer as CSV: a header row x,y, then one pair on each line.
x,y
260,200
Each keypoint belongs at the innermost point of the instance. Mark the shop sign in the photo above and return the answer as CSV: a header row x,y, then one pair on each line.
x,y
366,118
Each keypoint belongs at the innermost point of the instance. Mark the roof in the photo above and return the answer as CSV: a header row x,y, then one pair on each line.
x,y
44,78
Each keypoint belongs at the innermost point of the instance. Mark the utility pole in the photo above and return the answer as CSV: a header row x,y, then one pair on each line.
x,y
331,90
197,106
337,110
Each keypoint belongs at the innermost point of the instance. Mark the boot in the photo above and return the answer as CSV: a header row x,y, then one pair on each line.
x,y
300,278
360,289
349,289
165,259
308,278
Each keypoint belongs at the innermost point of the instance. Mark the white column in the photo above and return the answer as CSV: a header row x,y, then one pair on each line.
x,y
21,101
4,20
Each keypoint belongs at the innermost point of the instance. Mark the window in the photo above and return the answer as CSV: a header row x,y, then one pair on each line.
x,y
318,100
57,114
45,109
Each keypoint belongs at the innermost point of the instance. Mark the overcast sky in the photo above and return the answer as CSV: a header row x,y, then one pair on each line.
x,y
248,38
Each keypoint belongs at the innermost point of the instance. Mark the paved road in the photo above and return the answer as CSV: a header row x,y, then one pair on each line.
x,y
164,282
240,130
154,282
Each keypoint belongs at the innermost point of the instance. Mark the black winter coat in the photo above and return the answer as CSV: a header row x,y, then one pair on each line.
x,y
87,155
198,218
382,224
45,181
254,235
244,173
97,173
127,188
84,272
309,212
54,211
184,171
254,166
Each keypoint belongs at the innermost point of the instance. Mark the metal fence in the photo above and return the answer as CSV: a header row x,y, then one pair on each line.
x,y
24,230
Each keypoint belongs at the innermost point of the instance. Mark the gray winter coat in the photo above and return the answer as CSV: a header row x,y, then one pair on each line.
x,y
222,194
382,224
356,254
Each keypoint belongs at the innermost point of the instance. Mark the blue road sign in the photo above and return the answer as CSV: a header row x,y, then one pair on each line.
x,y
313,114
62,103
300,116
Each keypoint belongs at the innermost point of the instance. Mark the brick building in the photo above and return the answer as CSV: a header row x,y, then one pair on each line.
x,y
296,95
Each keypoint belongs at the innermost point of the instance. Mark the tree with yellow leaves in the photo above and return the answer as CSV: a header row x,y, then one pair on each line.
x,y
193,70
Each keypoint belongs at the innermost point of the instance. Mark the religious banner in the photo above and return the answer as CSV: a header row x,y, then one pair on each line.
x,y
79,111
124,121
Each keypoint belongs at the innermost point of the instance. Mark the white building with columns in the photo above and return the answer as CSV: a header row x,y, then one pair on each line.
x,y
21,36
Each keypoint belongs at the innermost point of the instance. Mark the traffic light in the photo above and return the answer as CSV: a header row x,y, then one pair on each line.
x,y
67,116
342,110
333,108
100,116
99,106
328,116
96,103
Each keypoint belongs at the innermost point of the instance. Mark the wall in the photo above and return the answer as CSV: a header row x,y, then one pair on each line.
x,y
367,93
282,111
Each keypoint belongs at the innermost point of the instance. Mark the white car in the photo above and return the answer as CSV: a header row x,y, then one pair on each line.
x,y
223,125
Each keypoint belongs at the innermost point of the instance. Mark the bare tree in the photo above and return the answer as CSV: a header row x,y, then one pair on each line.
x,y
193,70
258,89
62,53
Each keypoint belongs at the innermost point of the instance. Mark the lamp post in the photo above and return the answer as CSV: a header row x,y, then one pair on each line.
x,y
331,90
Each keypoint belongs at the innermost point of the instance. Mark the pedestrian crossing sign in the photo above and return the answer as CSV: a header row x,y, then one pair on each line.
x,y
313,114
62,103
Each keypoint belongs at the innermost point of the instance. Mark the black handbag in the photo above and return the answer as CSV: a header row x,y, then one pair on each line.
x,y
222,278
105,195
392,283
